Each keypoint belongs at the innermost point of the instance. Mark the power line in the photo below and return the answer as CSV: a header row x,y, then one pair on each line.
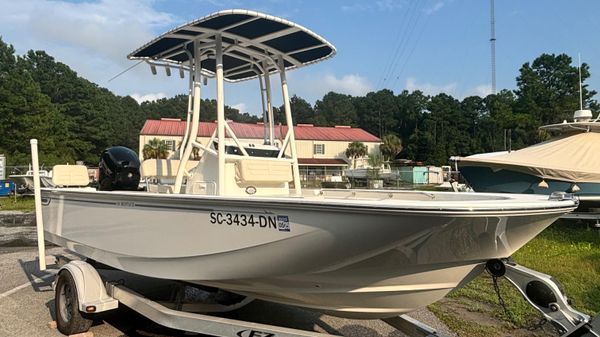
x,y
403,56
402,38
124,71
397,43
418,39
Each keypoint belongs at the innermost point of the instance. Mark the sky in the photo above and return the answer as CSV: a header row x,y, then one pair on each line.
x,y
429,45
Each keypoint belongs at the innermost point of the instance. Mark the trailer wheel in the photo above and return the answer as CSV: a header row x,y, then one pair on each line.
x,y
69,319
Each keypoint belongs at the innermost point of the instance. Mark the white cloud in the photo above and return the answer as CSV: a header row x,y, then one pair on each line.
x,y
451,89
389,5
430,89
91,37
313,86
352,84
381,5
148,97
355,7
109,28
481,90
436,7
241,107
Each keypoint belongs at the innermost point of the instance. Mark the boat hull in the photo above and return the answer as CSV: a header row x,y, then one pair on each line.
x,y
485,179
352,260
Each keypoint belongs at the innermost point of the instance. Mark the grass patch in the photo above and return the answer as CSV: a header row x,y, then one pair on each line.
x,y
570,252
22,203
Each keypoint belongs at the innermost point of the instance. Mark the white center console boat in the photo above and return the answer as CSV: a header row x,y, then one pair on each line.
x,y
237,225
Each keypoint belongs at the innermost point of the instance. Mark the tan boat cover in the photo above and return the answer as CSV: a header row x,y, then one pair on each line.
x,y
573,158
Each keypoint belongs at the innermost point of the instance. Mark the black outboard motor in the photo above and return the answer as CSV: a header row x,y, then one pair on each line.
x,y
119,169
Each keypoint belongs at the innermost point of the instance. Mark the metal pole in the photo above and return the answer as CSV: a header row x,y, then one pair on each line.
x,y
269,103
39,221
580,88
189,113
264,109
220,115
493,44
290,125
189,146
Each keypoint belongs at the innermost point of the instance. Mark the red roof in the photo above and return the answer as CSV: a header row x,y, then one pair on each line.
x,y
174,127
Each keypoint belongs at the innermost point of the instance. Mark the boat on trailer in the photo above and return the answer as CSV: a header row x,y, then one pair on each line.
x,y
565,162
238,225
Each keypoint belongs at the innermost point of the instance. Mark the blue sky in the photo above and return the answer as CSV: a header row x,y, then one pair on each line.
x,y
431,45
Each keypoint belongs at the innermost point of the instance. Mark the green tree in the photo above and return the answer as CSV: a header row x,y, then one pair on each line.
x,y
335,109
392,145
155,149
25,113
375,161
356,150
376,112
548,88
411,112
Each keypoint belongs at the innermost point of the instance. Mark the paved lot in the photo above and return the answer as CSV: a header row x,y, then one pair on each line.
x,y
27,305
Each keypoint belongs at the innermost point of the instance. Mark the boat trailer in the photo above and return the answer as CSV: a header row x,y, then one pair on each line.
x,y
91,291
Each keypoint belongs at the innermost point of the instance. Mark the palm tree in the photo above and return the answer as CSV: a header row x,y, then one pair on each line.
x,y
155,149
375,160
392,145
356,150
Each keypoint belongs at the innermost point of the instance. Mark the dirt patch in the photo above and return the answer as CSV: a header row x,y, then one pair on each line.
x,y
473,319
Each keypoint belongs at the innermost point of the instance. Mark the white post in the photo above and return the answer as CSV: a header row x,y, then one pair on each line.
x,y
189,146
220,115
269,103
264,109
39,221
290,125
189,113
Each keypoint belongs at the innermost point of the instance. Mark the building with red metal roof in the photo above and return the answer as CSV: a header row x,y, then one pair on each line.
x,y
321,150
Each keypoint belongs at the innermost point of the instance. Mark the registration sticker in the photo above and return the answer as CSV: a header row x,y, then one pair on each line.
x,y
283,223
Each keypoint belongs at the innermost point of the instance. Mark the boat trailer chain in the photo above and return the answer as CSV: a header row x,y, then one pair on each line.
x,y
501,299
545,294
532,327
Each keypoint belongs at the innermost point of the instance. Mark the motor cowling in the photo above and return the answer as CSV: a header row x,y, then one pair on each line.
x,y
119,169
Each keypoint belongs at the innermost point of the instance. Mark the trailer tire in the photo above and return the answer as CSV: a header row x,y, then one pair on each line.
x,y
69,319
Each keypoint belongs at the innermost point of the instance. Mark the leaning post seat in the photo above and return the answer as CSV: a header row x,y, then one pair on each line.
x,y
163,168
70,175
263,171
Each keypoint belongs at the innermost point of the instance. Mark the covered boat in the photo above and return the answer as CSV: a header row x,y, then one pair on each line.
x,y
567,162
233,222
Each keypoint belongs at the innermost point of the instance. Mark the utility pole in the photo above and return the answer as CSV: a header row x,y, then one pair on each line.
x,y
493,45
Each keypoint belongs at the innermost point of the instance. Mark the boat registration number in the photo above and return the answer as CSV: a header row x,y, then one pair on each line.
x,y
265,221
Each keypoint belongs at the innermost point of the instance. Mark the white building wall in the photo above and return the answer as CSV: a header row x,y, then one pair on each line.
x,y
305,148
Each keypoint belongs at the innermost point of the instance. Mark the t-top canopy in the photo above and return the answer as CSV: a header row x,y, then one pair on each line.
x,y
248,38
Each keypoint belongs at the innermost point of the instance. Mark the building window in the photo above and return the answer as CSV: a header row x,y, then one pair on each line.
x,y
170,144
319,149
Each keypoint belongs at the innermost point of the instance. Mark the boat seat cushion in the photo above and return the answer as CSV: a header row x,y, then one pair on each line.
x,y
164,168
70,175
263,171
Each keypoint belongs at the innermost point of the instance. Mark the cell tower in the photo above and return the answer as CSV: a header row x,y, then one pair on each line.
x,y
493,45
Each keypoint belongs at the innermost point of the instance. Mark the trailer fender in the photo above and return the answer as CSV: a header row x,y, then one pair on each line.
x,y
91,292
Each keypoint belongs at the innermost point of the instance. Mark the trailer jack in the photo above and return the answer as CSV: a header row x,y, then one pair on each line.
x,y
545,294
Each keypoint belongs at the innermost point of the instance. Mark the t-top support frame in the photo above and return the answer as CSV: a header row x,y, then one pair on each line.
x,y
264,63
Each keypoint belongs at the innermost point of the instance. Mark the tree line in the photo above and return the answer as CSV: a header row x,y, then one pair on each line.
x,y
76,119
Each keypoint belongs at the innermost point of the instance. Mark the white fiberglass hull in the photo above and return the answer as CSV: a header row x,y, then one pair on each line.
x,y
350,254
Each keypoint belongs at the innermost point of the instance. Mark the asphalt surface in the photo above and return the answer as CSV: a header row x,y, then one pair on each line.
x,y
27,305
